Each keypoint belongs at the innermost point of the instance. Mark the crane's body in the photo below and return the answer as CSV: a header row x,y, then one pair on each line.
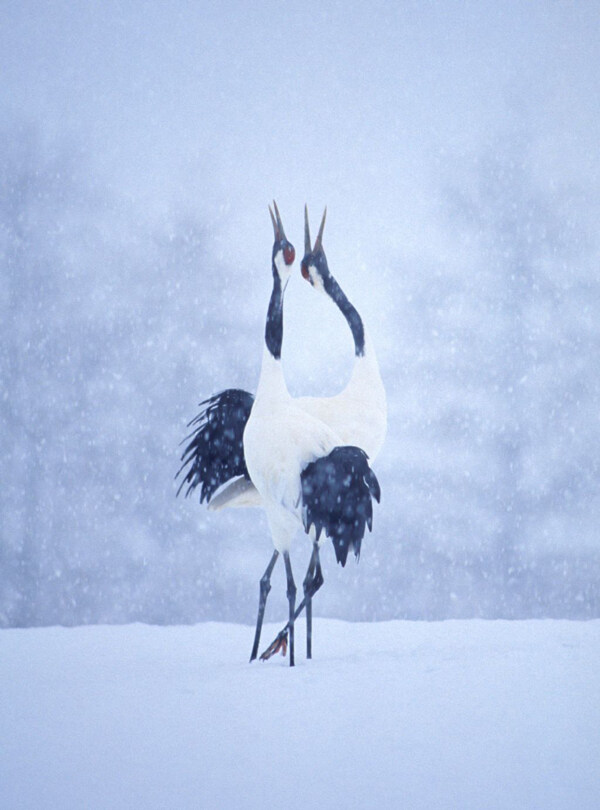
x,y
280,440
358,414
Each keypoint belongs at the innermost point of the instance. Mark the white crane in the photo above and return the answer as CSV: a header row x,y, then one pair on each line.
x,y
300,468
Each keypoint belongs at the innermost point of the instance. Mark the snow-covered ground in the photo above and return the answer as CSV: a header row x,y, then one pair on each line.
x,y
461,714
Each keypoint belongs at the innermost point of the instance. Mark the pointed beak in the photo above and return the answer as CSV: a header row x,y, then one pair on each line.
x,y
289,254
319,239
277,223
307,248
275,228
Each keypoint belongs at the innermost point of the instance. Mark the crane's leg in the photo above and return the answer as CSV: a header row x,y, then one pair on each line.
x,y
265,587
315,583
312,582
291,595
308,599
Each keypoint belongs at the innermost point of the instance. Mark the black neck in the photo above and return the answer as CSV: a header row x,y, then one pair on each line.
x,y
349,312
274,327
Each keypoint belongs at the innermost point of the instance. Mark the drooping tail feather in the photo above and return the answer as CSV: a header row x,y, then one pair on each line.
x,y
337,493
215,453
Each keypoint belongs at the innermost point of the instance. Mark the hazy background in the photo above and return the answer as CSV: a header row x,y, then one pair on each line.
x,y
456,146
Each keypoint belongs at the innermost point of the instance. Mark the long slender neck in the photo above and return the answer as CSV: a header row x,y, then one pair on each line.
x,y
349,312
271,385
274,325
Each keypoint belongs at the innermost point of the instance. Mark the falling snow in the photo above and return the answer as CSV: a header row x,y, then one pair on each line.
x,y
461,175
456,147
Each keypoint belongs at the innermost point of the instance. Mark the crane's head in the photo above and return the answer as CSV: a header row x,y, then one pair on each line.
x,y
283,250
314,266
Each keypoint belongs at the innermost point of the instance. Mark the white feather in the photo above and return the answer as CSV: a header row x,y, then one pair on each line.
x,y
280,440
358,414
238,494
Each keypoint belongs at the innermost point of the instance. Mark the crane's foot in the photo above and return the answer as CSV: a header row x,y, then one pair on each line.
x,y
279,645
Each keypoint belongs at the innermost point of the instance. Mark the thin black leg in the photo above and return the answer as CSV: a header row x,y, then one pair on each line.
x,y
265,587
310,572
309,627
291,595
312,583
313,586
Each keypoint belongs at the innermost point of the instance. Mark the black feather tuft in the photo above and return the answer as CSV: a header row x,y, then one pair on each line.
x,y
336,497
215,453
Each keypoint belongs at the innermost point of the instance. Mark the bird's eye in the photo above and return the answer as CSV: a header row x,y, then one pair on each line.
x,y
289,254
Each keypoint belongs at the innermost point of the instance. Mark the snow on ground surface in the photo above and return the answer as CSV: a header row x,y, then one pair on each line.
x,y
457,714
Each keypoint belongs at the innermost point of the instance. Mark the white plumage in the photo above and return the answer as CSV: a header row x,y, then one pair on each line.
x,y
280,440
358,414
303,460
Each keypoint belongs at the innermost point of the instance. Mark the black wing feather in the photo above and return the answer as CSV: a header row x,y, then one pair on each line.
x,y
337,493
215,453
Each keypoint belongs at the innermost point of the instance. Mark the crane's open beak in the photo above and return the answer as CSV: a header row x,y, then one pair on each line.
x,y
308,251
289,254
319,240
277,223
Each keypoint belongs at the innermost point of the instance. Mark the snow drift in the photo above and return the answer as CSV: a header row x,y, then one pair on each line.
x,y
459,714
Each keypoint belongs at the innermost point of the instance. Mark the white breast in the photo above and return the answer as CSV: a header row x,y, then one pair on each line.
x,y
280,440
358,414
